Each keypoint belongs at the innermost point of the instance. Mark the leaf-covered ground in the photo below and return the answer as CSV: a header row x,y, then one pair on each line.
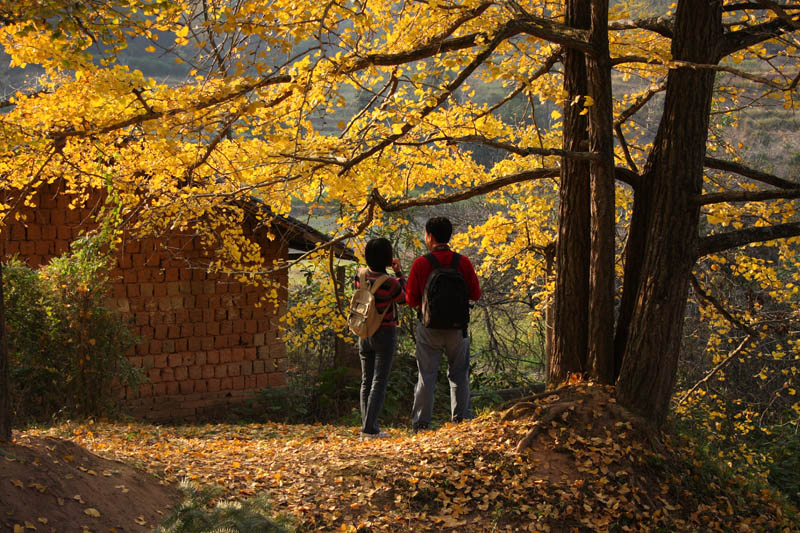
x,y
589,469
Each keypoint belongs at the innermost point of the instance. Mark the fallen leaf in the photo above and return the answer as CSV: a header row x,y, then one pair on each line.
x,y
141,521
77,497
28,525
42,520
19,529
91,511
17,483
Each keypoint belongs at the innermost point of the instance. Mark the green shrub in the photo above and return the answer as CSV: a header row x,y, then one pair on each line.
x,y
66,347
324,397
196,514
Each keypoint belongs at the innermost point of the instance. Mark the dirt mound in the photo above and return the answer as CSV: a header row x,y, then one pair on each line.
x,y
48,484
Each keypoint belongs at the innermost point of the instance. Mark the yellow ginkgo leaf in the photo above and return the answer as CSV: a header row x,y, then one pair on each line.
x,y
91,511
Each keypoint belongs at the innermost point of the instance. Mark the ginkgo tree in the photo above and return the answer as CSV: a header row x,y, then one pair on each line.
x,y
376,107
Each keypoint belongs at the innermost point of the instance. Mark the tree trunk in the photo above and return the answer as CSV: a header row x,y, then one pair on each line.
x,y
571,309
601,274
5,381
674,172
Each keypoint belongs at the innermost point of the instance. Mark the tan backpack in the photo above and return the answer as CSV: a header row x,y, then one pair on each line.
x,y
364,319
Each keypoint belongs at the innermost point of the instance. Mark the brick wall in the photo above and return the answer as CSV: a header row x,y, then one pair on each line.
x,y
206,344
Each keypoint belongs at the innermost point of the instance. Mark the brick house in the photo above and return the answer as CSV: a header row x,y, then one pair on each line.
x,y
207,345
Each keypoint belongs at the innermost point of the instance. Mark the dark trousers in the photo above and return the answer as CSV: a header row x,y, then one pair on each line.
x,y
376,355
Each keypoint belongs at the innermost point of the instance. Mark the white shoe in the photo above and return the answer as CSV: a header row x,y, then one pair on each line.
x,y
370,436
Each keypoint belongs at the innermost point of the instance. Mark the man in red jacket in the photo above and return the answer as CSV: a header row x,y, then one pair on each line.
x,y
453,340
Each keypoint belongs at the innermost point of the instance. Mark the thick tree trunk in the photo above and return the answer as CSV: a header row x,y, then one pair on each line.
x,y
571,309
674,172
5,403
601,274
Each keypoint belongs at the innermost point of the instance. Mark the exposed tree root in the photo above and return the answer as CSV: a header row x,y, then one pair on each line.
x,y
551,414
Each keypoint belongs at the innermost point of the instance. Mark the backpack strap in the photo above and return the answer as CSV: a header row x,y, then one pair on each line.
x,y
454,261
377,283
436,264
432,260
374,288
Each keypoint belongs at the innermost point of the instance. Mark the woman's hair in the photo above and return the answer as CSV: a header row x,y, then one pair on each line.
x,y
440,228
378,253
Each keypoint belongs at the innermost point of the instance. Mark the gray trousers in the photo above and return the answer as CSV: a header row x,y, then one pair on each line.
x,y
431,343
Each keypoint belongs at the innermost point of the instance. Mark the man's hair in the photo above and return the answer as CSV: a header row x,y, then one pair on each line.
x,y
378,253
440,228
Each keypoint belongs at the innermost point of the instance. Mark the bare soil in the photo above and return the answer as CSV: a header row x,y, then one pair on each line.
x,y
49,485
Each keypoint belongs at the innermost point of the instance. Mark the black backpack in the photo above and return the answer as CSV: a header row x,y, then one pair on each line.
x,y
445,299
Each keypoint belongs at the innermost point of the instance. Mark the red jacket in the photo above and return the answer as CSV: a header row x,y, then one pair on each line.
x,y
422,268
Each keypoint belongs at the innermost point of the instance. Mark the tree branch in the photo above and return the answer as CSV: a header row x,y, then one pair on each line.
x,y
503,34
555,32
725,241
719,307
477,190
717,368
779,10
742,170
746,196
640,102
741,39
508,147
663,25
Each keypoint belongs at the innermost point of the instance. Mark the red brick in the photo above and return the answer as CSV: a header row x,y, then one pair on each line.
x,y
208,343
118,291
159,389
226,328
167,374
168,346
143,348
160,360
159,290
213,385
226,384
277,379
154,375
145,390
259,367
181,345
174,360
250,354
225,356
145,275
250,382
171,274
200,385
132,290
212,328
208,371
173,388
12,247
160,331
135,361
194,344
220,371
238,383
131,246
262,381
181,373
220,341
152,260
147,332
235,369
213,357
195,372
26,249
186,387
